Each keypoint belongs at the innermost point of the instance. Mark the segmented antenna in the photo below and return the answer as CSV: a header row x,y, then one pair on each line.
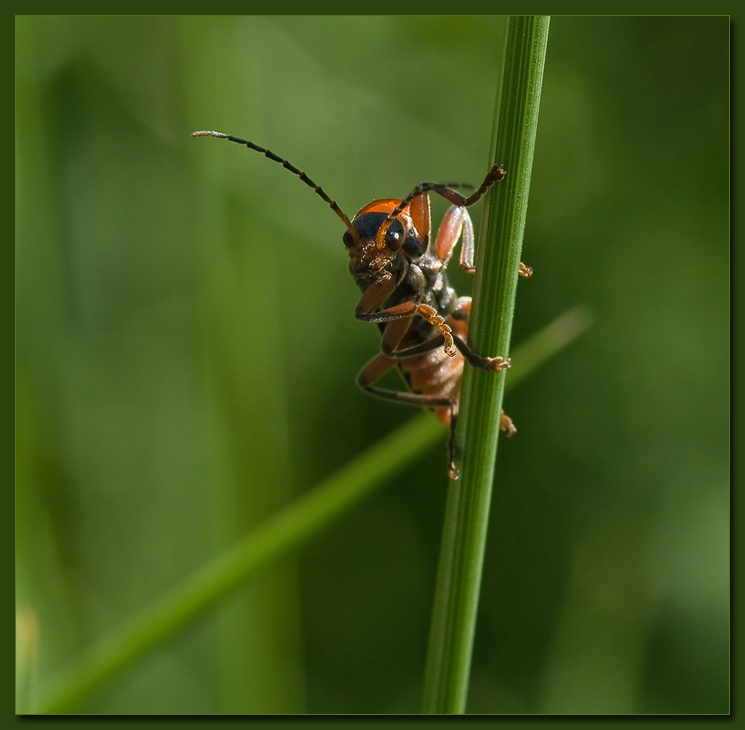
x,y
288,166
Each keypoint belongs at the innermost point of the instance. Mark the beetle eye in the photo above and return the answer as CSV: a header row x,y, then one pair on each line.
x,y
392,239
347,239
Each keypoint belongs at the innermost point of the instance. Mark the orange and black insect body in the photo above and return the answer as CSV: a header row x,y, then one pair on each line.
x,y
405,291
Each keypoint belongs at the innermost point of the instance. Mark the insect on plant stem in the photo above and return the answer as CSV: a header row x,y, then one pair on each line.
x,y
406,292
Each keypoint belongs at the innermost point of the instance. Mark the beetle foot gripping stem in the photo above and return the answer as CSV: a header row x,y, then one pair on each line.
x,y
525,271
498,363
506,425
430,314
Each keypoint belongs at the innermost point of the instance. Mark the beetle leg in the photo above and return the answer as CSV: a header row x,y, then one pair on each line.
x,y
374,296
381,365
395,331
461,313
403,310
456,222
495,174
409,309
379,291
421,348
505,424
491,364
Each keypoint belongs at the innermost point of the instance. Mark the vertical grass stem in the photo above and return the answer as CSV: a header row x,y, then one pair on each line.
x,y
495,288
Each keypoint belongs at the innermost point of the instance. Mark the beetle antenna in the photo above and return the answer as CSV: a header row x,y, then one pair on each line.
x,y
288,166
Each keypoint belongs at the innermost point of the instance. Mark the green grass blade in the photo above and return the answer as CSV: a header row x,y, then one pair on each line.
x,y
279,536
495,288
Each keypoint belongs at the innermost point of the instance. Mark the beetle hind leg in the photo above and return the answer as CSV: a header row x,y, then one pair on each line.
x,y
446,408
381,365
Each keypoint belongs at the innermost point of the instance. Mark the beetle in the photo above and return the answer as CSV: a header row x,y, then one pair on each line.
x,y
405,291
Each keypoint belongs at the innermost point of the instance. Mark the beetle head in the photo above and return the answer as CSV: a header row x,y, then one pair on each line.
x,y
370,253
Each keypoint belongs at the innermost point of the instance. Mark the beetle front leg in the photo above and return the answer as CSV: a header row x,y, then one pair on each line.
x,y
409,309
482,362
495,174
461,313
456,223
374,296
394,333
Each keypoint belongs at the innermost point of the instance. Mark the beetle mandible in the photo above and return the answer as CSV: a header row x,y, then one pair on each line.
x,y
405,291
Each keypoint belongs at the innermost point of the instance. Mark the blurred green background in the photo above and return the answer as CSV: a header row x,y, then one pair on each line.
x,y
186,354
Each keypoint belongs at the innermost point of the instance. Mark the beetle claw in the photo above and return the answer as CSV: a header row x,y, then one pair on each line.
x,y
497,364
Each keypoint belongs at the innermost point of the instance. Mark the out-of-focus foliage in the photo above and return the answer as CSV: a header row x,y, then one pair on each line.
x,y
186,354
